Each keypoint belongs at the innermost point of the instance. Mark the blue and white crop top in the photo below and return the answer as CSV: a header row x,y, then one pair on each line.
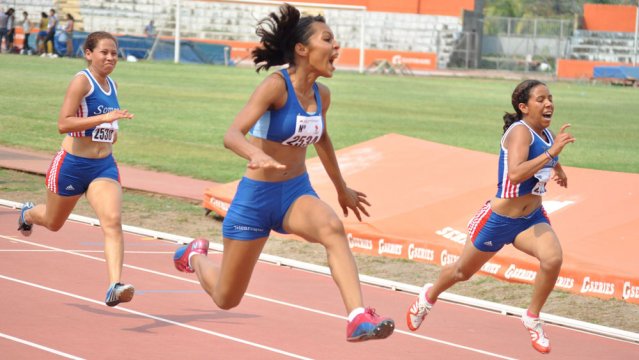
x,y
98,102
535,185
291,125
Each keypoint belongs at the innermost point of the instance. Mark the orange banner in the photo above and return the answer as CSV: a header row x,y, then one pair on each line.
x,y
613,18
580,69
425,218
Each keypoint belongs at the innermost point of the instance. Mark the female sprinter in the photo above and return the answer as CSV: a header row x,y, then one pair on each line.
x,y
285,114
85,164
529,154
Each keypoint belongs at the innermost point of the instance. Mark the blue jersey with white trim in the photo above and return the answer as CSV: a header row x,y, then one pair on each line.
x,y
534,185
291,125
96,102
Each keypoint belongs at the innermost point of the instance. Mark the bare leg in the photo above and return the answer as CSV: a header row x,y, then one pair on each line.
x,y
541,242
54,213
315,221
105,197
470,261
227,284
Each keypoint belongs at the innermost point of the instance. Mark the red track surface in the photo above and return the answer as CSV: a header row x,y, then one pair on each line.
x,y
53,286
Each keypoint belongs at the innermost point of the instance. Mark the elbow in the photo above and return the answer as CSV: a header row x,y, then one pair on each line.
x,y
515,179
228,140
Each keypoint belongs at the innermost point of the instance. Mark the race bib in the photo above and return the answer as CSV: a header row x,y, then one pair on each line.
x,y
542,176
308,130
105,132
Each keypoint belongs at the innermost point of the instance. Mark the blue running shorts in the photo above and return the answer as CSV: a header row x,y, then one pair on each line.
x,y
70,175
490,231
260,206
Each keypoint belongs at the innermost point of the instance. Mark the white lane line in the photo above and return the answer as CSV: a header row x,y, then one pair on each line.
x,y
295,306
85,251
157,318
41,347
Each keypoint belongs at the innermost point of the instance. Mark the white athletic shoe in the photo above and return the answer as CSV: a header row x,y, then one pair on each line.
x,y
418,310
538,337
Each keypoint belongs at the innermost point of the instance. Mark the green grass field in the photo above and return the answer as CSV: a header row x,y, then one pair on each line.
x,y
182,111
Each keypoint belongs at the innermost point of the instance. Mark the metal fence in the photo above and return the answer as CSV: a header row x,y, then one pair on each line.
x,y
506,26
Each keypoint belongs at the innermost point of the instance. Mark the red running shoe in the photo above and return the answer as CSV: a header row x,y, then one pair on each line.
x,y
419,309
181,256
538,337
369,326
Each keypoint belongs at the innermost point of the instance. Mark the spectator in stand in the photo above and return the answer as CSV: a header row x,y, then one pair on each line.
x,y
51,26
26,29
68,30
11,29
149,29
42,33
4,18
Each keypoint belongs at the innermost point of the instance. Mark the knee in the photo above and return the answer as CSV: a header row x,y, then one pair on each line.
x,y
461,275
551,263
111,220
225,303
53,226
332,226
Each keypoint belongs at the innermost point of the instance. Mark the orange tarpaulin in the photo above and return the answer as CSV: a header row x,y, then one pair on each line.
x,y
423,195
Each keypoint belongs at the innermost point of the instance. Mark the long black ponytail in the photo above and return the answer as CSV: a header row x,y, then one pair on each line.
x,y
278,35
520,95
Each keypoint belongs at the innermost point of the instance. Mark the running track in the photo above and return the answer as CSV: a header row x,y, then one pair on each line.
x,y
53,288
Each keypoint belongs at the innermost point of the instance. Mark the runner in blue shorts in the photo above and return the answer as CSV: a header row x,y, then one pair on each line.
x,y
286,114
528,157
85,164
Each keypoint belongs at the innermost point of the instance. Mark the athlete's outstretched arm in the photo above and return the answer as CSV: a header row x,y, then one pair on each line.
x,y
347,197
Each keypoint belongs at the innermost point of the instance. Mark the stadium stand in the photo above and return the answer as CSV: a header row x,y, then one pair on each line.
x,y
228,21
602,46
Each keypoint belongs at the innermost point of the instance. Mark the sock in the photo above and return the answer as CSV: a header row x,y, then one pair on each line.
x,y
429,301
24,218
531,315
190,256
354,313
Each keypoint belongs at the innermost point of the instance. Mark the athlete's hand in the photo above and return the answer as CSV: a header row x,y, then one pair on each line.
x,y
354,200
263,161
560,177
562,139
116,114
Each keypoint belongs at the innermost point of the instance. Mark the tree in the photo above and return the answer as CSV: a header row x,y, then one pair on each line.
x,y
543,8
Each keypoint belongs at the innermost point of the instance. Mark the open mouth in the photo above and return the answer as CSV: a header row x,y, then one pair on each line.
x,y
547,115
332,59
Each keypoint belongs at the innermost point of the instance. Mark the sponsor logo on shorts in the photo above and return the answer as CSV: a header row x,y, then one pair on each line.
x,y
488,243
69,188
247,228
597,287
